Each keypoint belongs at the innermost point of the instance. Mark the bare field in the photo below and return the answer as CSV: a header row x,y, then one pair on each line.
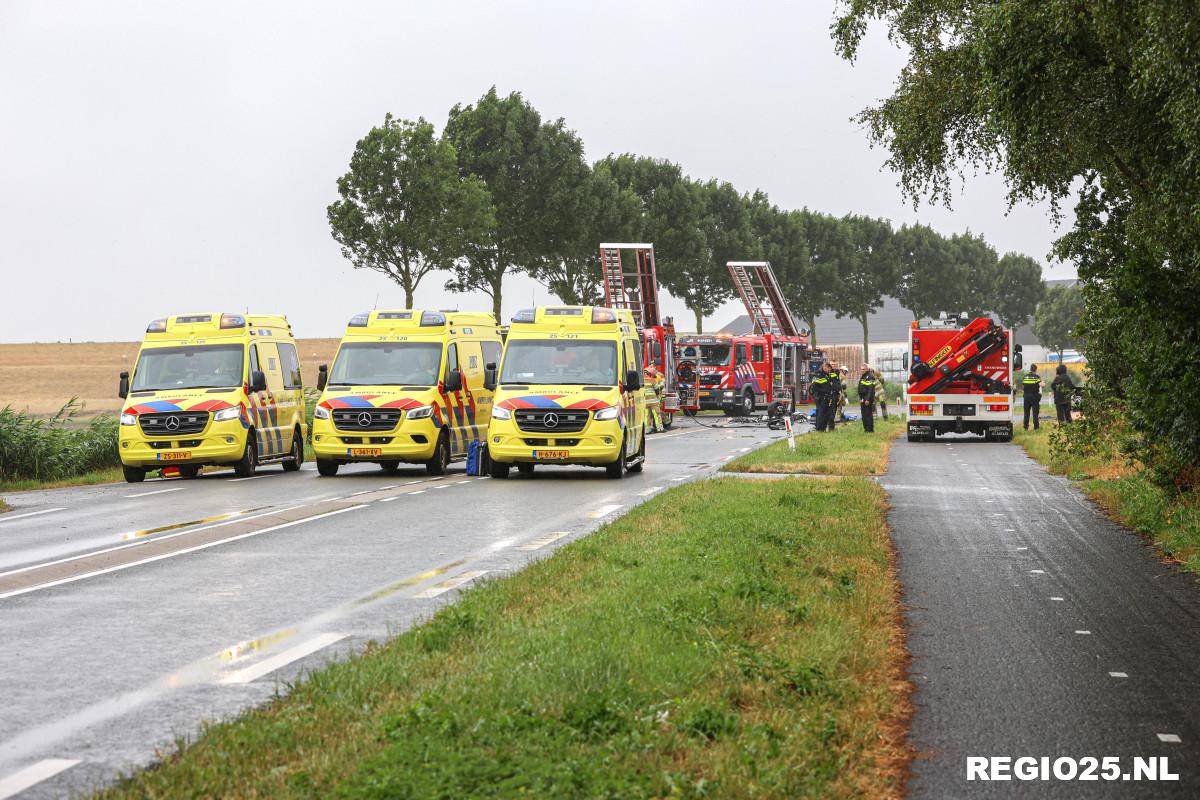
x,y
39,378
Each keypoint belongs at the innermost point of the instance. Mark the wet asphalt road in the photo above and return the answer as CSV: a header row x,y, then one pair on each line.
x,y
1037,627
100,671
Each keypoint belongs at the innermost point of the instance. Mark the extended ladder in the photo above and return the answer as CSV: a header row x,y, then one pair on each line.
x,y
636,290
755,282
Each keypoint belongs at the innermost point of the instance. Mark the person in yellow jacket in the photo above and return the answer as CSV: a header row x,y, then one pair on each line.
x,y
652,389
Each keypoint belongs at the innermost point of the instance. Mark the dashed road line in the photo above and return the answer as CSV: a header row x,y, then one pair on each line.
x,y
273,663
1169,738
10,518
418,491
542,541
1118,674
156,491
36,773
1059,599
1037,572
1084,633
460,483
452,583
603,511
390,499
650,491
250,478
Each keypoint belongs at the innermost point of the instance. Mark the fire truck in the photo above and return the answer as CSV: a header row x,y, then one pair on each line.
x,y
961,378
767,369
636,288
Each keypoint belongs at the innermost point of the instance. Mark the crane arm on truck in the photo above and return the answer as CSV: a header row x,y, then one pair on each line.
x,y
958,358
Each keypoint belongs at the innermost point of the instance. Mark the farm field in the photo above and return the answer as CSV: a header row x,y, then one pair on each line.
x,y
39,378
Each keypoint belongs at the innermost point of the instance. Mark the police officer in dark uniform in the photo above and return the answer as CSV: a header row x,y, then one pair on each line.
x,y
822,391
1063,390
866,398
1031,384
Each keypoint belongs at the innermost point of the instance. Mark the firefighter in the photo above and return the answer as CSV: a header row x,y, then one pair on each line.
x,y
843,387
822,392
1063,390
1031,385
881,393
866,398
652,391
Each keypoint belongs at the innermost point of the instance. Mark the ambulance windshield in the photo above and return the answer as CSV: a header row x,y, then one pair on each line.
x,y
560,362
387,364
209,366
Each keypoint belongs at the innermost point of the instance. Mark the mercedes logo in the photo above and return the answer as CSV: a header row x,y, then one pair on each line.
x,y
550,420
364,419
172,423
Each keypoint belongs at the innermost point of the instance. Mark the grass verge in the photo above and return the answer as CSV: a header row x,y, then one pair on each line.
x,y
728,638
109,475
1167,518
849,451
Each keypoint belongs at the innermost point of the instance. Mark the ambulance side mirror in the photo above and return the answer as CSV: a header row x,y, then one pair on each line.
x,y
489,377
322,377
633,380
123,389
258,381
453,382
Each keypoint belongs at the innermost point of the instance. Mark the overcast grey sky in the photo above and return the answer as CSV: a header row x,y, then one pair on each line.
x,y
160,157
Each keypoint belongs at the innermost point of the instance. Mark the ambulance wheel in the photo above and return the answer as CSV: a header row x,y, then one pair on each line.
x,y
293,462
246,465
498,470
525,469
441,457
326,468
133,474
390,467
189,472
618,468
668,419
642,460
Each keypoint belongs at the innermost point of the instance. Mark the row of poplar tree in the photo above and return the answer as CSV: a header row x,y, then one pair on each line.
x,y
503,191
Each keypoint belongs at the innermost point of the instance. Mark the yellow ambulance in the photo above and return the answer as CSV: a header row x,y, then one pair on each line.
x,y
405,386
569,391
213,389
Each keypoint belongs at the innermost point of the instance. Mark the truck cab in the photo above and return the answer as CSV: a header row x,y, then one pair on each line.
x,y
406,386
568,391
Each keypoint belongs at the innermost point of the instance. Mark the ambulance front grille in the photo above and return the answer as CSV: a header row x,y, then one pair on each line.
x,y
361,419
173,423
551,420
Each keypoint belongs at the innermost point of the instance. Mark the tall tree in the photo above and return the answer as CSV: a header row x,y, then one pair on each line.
x,y
1095,101
831,251
704,283
977,262
1056,317
868,275
929,274
404,210
537,179
784,239
1017,289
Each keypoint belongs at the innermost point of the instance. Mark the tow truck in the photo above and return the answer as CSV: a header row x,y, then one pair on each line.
x,y
960,380
636,290
768,369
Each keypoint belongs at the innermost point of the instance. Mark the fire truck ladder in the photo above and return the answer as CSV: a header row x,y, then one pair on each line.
x,y
755,282
636,290
973,344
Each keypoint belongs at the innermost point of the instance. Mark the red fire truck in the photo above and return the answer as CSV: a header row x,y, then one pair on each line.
x,y
636,289
961,378
739,374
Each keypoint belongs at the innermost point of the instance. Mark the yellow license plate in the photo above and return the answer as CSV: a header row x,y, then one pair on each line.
x,y
551,455
364,452
181,455
705,394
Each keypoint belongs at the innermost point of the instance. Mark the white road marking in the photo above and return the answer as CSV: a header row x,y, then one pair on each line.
x,y
162,556
251,478
603,511
726,458
156,491
1084,633
390,499
1037,572
744,450
649,491
452,583
1010,530
273,663
10,518
680,478
332,499
422,480
1118,674
1169,738
542,541
385,488
460,483
443,486
1022,548
418,491
34,774
1056,598
364,491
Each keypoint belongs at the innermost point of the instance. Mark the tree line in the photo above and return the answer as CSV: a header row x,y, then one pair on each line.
x,y
501,191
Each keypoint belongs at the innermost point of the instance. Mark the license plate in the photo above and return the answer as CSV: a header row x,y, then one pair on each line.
x,y
179,455
364,452
705,394
551,455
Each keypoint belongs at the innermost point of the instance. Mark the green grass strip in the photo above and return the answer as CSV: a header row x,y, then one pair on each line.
x,y
847,451
728,638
